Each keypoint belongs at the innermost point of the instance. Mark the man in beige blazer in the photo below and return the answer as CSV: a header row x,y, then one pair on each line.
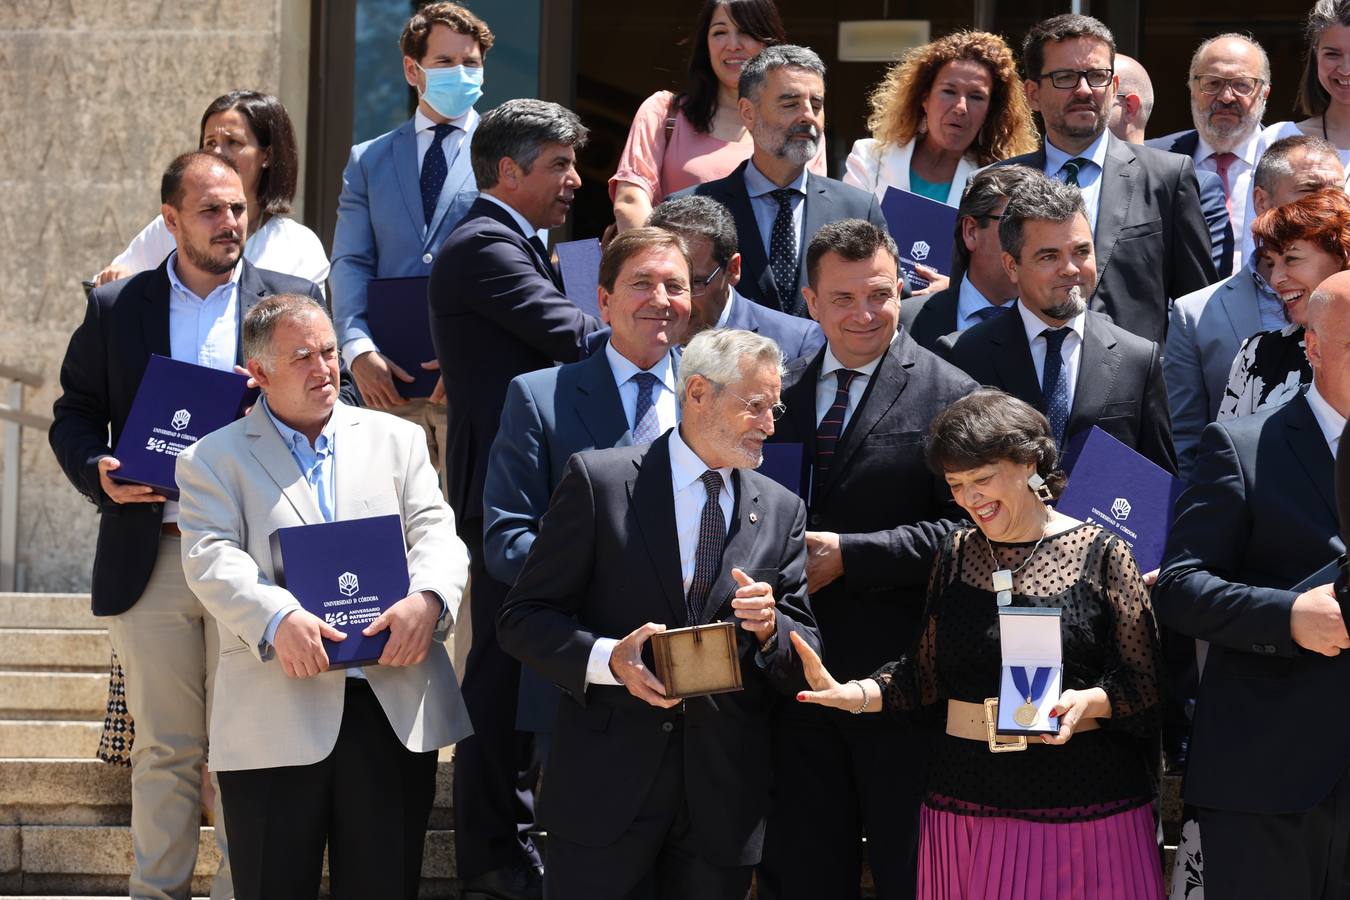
x,y
307,756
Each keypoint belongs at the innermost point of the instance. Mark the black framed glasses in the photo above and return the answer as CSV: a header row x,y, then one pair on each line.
x,y
1241,86
699,286
1067,79
757,406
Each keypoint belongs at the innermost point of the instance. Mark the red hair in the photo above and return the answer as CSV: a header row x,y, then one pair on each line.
x,y
1321,218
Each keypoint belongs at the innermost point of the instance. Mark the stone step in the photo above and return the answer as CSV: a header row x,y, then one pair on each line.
x,y
91,792
55,649
48,739
46,611
96,859
40,695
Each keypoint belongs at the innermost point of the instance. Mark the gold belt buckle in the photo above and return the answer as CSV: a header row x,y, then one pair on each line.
x,y
997,742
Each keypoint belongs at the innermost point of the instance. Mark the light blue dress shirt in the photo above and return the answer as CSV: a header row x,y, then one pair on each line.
x,y
1268,302
759,187
1089,179
970,300
667,413
203,331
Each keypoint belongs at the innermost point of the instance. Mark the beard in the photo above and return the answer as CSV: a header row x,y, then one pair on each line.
x,y
219,263
1072,304
727,437
799,153
1081,132
1223,138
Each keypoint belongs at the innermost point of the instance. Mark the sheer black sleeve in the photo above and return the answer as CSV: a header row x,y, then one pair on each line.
x,y
909,685
1133,658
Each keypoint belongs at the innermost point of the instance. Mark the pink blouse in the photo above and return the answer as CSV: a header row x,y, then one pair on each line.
x,y
690,158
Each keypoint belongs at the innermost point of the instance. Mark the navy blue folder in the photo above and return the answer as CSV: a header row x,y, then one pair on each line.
x,y
924,230
400,324
786,464
579,264
176,404
346,573
1128,495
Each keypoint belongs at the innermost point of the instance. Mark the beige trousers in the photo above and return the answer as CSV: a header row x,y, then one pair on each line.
x,y
168,646
431,416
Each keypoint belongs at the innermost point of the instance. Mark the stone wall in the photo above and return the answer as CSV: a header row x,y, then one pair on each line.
x,y
96,96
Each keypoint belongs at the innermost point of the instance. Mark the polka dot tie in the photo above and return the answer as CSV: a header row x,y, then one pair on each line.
x,y
783,249
645,426
712,539
434,171
1055,383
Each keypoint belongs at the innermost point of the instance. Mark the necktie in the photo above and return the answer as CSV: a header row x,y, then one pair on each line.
x,y
783,249
434,171
1072,168
712,539
985,313
547,259
832,423
1222,162
645,426
1054,386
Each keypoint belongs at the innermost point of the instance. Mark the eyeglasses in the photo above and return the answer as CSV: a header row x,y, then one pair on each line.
x,y
699,286
757,406
1241,86
1067,79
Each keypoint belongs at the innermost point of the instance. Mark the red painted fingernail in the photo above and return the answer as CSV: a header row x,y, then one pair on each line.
x,y
801,696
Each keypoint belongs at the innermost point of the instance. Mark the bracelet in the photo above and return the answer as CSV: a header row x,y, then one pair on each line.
x,y
862,687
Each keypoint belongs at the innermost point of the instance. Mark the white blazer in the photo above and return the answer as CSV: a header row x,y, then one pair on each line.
x,y
238,485
873,169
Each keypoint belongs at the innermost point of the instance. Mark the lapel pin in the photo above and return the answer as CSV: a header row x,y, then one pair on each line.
x,y
754,517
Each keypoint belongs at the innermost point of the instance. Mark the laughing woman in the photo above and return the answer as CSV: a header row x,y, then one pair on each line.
x,y
1070,817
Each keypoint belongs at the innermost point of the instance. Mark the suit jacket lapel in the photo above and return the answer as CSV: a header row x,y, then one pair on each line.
x,y
739,551
1310,449
819,209
1098,368
352,464
406,168
275,457
1012,360
155,318
250,294
800,399
1241,304
598,404
460,172
883,392
737,199
651,498
1113,201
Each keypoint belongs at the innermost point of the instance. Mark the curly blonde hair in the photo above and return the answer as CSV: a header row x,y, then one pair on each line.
x,y
896,103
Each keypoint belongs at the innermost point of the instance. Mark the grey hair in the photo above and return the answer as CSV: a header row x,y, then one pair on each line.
x,y
518,130
699,217
778,56
1276,162
720,355
985,190
1230,36
1040,199
263,319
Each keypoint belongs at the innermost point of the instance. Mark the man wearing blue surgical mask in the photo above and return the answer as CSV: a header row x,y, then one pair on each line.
x,y
402,193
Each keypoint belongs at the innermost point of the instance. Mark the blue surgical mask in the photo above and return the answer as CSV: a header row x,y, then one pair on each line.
x,y
454,90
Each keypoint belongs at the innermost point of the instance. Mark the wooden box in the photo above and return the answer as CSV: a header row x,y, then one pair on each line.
x,y
696,661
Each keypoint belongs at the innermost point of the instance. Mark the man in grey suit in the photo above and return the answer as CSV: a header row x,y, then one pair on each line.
x,y
1207,327
777,204
1143,205
623,393
309,757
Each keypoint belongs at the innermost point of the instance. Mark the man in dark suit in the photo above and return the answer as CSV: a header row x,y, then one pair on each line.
x,y
1229,83
1129,118
710,233
860,407
648,795
980,288
497,311
1258,520
1073,364
776,203
189,308
1143,205
623,393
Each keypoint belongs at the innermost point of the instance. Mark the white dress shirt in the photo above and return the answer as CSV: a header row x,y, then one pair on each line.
x,y
426,133
521,222
663,396
686,472
1331,422
1070,352
969,300
1240,173
203,331
828,384
1089,178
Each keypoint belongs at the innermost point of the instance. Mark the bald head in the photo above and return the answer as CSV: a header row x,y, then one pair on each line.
x,y
1134,100
1228,64
1328,340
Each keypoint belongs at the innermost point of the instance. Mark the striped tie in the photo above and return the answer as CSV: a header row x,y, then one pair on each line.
x,y
832,425
1072,168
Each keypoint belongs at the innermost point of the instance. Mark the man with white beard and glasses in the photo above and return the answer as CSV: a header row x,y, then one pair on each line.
x,y
777,204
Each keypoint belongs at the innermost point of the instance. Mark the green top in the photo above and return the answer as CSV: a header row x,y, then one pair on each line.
x,y
932,190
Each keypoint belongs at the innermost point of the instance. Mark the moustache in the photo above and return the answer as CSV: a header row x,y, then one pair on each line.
x,y
229,235
808,130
